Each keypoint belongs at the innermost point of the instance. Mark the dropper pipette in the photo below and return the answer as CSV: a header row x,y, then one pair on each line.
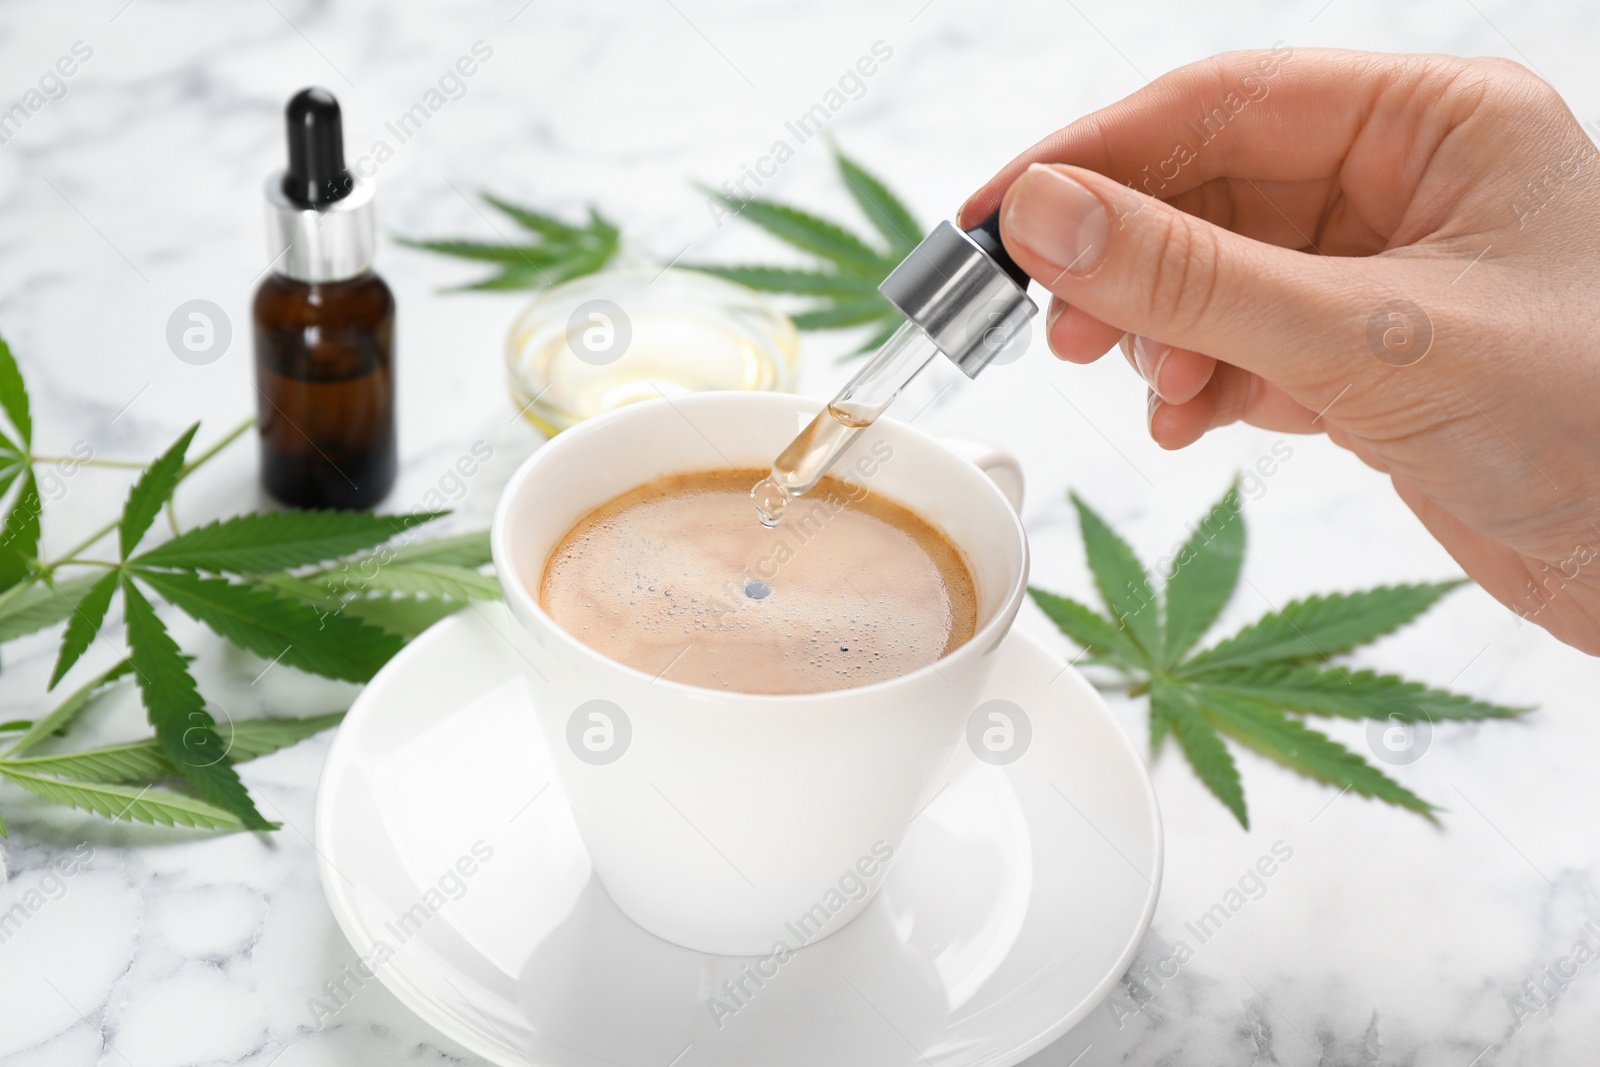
x,y
962,295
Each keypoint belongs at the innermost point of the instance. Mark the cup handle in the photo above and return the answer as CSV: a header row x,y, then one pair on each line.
x,y
1002,467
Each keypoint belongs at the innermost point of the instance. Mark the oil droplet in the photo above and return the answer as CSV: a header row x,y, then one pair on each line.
x,y
770,499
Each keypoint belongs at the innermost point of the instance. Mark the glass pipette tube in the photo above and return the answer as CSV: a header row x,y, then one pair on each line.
x,y
809,456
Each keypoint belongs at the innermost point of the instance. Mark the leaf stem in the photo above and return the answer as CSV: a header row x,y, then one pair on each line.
x,y
72,552
188,469
17,590
119,464
232,436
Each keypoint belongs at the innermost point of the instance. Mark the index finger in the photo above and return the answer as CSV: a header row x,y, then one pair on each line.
x,y
1210,120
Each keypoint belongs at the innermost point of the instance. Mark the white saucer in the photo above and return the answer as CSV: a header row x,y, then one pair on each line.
x,y
1016,902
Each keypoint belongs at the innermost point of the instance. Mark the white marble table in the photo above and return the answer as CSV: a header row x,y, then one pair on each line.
x,y
1383,941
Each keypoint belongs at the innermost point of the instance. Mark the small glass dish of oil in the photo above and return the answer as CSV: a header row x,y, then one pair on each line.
x,y
599,342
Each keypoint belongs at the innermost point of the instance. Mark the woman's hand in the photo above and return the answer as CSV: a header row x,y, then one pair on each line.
x,y
1400,251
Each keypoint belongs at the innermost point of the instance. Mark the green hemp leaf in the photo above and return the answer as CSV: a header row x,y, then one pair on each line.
x,y
557,252
840,288
326,592
1256,687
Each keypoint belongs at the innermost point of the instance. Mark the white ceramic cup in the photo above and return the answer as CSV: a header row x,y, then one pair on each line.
x,y
736,823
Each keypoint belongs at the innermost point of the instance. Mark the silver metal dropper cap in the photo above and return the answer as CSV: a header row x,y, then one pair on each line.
x,y
327,243
965,302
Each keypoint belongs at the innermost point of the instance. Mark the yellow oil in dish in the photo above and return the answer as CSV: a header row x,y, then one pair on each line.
x,y
595,344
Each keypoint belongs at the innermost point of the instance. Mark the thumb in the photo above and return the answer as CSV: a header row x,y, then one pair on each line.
x,y
1143,266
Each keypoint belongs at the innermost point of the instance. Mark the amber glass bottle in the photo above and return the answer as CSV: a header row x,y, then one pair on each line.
x,y
324,327
325,374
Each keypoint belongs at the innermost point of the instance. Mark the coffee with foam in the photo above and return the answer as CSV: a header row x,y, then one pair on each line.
x,y
678,579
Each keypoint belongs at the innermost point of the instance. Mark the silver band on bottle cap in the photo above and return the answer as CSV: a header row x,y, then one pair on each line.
x,y
327,245
960,298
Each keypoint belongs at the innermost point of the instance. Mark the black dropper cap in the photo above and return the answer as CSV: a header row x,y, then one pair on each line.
x,y
316,174
986,235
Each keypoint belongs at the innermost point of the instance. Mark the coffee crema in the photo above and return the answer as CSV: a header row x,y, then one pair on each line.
x,y
678,579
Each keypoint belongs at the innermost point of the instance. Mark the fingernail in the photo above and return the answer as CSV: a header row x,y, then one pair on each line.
x,y
1058,219
1050,317
1148,356
1152,405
